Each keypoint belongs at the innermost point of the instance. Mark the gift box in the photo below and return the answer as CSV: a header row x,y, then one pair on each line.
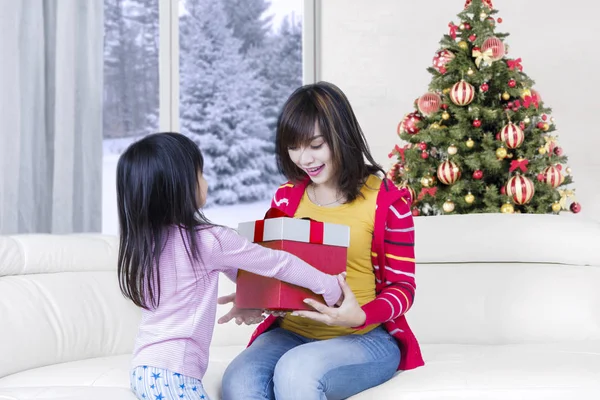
x,y
322,245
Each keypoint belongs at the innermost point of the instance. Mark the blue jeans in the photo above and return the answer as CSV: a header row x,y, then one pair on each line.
x,y
286,366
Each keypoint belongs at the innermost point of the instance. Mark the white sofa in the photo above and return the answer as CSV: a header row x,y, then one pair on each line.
x,y
507,307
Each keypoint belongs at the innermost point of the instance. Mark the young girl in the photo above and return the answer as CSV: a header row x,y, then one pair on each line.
x,y
169,261
334,353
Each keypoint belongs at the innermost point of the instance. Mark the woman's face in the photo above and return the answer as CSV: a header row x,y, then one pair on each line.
x,y
315,159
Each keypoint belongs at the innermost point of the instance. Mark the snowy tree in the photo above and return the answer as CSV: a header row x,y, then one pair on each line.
x,y
221,107
247,21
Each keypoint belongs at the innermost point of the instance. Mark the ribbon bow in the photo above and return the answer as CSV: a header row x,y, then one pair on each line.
x,y
564,196
430,191
518,164
400,151
512,64
453,29
485,56
530,99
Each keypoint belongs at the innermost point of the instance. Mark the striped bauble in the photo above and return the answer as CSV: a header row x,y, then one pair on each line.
x,y
448,172
553,177
462,93
520,188
512,135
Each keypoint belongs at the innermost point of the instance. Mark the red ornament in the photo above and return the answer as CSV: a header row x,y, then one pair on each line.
x,y
558,167
448,172
499,20
496,46
467,26
522,125
462,93
540,177
510,104
520,188
429,103
424,155
512,135
422,146
558,151
442,58
512,83
491,21
477,123
498,136
503,190
478,174
575,208
552,176
472,38
415,212
445,106
540,125
544,117
484,87
409,123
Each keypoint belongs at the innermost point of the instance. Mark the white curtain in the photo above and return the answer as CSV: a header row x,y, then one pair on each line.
x,y
51,77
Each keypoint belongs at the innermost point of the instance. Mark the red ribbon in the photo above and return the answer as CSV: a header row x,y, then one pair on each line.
x,y
512,64
430,191
400,151
453,29
529,100
316,230
518,164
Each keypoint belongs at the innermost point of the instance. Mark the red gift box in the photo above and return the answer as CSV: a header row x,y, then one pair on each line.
x,y
322,245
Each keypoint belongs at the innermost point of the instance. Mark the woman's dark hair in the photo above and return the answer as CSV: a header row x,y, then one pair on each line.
x,y
157,183
325,104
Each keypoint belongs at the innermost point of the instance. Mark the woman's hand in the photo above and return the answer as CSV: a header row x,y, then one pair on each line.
x,y
241,315
349,314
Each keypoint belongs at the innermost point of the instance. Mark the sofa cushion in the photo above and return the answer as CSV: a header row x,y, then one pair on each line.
x,y
542,371
543,238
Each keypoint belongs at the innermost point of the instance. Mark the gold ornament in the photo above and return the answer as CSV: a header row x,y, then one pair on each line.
x,y
542,150
469,198
461,26
435,125
546,126
470,72
470,143
527,120
452,150
446,91
425,181
568,170
448,206
552,119
556,206
507,208
482,16
509,155
505,96
445,115
501,153
463,45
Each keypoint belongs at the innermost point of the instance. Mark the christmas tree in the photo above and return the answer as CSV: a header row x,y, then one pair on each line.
x,y
481,140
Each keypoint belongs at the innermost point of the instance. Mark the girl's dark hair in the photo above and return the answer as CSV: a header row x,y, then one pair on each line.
x,y
157,183
325,104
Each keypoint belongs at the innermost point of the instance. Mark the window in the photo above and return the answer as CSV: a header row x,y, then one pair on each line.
x,y
238,62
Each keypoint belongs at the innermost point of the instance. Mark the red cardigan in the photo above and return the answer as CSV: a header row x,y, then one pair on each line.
x,y
393,258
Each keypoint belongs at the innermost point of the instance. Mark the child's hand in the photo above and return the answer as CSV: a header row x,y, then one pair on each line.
x,y
276,313
241,315
348,314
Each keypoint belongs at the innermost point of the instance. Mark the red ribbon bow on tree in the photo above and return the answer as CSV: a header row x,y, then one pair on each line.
x,y
453,29
529,100
519,164
400,151
512,64
430,191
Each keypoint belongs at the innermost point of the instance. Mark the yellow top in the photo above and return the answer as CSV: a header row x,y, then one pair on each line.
x,y
360,217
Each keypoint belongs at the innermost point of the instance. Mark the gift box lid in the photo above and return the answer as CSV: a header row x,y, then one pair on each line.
x,y
295,229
